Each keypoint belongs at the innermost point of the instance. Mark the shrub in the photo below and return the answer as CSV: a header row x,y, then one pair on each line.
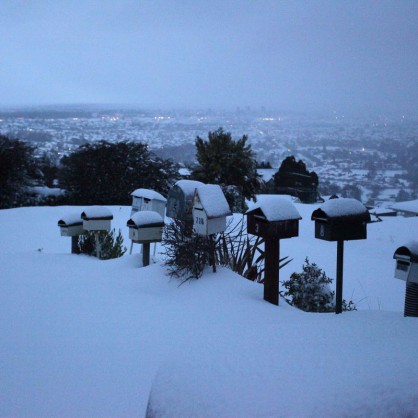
x,y
310,290
111,246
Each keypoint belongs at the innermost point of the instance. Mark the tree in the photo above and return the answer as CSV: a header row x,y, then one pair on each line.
x,y
17,169
107,173
226,162
294,178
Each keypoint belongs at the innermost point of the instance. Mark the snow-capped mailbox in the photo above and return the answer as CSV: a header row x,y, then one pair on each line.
x,y
145,199
210,209
96,218
71,225
273,217
145,226
341,219
407,262
180,199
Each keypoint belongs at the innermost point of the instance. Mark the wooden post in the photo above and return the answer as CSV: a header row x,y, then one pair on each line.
x,y
146,254
339,284
271,275
98,249
212,241
74,245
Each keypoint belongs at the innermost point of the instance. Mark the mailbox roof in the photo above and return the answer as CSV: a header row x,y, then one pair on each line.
x,y
188,186
410,249
342,208
70,219
148,194
146,218
213,200
97,212
276,208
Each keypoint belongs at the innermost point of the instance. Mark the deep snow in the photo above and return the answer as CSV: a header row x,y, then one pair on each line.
x,y
88,338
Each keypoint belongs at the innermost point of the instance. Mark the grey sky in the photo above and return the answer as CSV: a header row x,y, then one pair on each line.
x,y
349,56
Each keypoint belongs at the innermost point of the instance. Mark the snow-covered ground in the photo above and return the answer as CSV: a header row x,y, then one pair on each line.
x,y
82,337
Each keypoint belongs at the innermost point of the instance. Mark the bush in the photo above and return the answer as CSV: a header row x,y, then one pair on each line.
x,y
111,246
187,253
310,291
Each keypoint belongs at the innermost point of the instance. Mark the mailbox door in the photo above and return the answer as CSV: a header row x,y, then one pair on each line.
x,y
260,227
151,234
96,225
402,269
200,222
340,231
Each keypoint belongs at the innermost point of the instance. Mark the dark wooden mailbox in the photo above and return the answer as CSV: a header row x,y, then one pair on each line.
x,y
341,219
180,199
273,217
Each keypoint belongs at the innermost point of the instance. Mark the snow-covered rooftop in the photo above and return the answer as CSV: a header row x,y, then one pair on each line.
x,y
276,208
148,194
343,206
188,186
97,212
146,217
408,206
213,200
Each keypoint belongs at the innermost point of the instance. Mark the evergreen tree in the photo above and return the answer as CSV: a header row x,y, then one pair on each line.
x,y
226,162
107,173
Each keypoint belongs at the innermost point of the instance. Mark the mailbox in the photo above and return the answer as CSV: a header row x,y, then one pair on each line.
x,y
407,262
145,227
210,209
273,217
341,219
180,199
71,225
97,218
145,199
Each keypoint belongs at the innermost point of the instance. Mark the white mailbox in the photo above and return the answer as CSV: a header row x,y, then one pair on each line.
x,y
145,199
145,227
71,225
210,209
97,218
407,262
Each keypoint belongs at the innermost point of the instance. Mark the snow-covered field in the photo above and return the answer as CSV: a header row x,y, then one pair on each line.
x,y
82,337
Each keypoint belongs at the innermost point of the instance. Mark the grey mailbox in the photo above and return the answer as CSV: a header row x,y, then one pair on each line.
x,y
273,218
96,218
210,209
71,225
180,199
145,199
146,227
341,219
407,269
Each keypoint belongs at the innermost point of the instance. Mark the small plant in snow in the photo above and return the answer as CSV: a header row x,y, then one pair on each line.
x,y
310,290
111,246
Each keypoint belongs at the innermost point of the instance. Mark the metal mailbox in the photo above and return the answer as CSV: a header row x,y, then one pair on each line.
x,y
407,262
145,227
96,218
341,219
210,209
273,217
180,199
71,225
150,200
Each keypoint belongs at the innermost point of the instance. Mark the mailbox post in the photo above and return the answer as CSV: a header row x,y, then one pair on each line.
x,y
273,218
146,227
341,219
71,225
407,269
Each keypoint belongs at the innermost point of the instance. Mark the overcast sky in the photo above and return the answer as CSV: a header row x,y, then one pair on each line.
x,y
349,56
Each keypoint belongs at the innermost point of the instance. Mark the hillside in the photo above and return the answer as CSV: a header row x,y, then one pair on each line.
x,y
88,338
